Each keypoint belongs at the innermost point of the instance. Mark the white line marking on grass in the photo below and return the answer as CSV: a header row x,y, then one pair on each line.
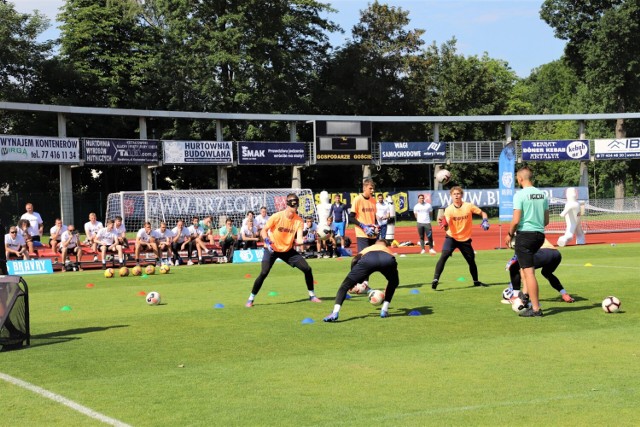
x,y
63,400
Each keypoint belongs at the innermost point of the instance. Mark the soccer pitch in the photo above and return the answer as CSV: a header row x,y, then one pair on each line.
x,y
465,360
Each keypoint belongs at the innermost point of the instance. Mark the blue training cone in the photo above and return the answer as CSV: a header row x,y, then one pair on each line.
x,y
218,305
414,313
307,320
414,291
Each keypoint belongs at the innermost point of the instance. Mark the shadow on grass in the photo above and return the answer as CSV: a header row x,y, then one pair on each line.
x,y
569,308
424,310
67,335
442,288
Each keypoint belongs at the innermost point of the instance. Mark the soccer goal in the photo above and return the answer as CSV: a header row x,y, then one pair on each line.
x,y
137,207
599,215
14,313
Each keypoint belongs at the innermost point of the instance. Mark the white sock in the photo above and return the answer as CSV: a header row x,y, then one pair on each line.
x,y
252,297
385,306
336,308
312,294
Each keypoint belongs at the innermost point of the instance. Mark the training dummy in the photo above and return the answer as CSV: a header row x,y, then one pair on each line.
x,y
571,215
323,208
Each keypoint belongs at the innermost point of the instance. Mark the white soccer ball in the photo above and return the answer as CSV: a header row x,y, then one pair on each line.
x,y
507,293
443,176
611,304
360,288
376,297
324,232
518,305
153,298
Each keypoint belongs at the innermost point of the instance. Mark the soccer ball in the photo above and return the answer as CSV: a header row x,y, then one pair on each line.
x,y
153,298
164,269
376,297
443,176
611,304
360,288
150,269
136,271
507,293
518,305
108,273
324,232
124,272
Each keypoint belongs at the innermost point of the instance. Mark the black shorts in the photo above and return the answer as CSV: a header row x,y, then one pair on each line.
x,y
527,244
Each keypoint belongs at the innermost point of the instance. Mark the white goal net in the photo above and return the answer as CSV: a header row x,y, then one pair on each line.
x,y
599,215
137,207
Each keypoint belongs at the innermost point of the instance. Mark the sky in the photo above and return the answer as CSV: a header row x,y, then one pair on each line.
x,y
510,30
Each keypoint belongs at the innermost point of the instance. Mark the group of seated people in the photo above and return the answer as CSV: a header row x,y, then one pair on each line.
x,y
320,241
110,240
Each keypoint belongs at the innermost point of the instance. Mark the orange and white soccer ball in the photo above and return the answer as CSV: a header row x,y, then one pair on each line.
x,y
153,298
443,176
360,288
376,297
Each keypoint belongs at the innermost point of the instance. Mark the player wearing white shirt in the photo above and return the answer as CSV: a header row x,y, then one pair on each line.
x,y
55,234
121,231
422,211
197,241
107,240
181,237
15,245
91,229
146,240
261,219
164,237
310,236
36,226
383,213
70,244
249,233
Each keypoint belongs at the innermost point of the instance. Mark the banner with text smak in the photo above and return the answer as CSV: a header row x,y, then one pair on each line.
x,y
563,149
271,153
506,181
197,152
39,149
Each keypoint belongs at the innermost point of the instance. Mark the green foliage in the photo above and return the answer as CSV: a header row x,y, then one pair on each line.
x,y
187,363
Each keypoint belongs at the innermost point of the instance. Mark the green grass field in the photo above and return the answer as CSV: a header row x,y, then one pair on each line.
x,y
466,360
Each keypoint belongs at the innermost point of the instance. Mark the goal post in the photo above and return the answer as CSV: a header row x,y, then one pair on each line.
x,y
137,207
598,215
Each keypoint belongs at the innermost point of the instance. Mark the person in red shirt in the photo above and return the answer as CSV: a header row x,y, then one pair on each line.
x,y
377,257
457,222
279,234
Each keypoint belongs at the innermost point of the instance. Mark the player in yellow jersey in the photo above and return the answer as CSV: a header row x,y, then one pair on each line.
x,y
281,231
374,258
457,222
363,215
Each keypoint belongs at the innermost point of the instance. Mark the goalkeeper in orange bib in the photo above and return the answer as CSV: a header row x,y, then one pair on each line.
x,y
458,222
278,235
363,215
374,258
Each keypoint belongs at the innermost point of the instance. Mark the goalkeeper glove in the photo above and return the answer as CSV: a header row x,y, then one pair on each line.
x,y
267,244
485,224
442,222
370,230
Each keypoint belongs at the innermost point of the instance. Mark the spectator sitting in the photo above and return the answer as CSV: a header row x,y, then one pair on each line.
x,y
121,231
228,239
310,236
15,245
91,229
249,234
23,230
198,239
261,219
328,242
107,241
70,244
207,226
164,238
36,226
56,234
146,241
181,238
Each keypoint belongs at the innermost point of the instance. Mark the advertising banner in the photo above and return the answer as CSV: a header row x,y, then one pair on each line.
x,y
564,149
120,151
32,266
393,151
248,255
197,152
507,181
623,148
39,149
271,153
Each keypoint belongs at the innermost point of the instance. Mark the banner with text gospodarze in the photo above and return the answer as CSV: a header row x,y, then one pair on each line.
x,y
39,149
197,152
563,149
120,151
271,153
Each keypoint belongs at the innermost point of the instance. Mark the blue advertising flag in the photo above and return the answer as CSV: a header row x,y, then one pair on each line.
x,y
506,181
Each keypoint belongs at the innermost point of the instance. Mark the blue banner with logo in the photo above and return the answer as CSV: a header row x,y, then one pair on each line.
x,y
32,266
564,149
393,151
271,153
506,181
248,255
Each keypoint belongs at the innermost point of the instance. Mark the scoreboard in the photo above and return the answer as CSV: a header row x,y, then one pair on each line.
x,y
342,142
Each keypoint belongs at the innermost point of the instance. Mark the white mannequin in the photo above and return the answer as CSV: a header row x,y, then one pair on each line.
x,y
571,214
323,208
391,224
